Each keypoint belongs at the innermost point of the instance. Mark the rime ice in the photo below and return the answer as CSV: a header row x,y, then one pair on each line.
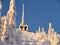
x,y
10,35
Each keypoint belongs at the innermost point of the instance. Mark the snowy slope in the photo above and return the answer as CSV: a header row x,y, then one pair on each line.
x,y
26,38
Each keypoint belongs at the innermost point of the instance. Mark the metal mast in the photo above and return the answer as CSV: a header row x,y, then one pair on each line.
x,y
23,14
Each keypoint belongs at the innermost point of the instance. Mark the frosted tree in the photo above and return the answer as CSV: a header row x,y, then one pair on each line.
x,y
0,19
55,38
39,29
39,32
4,27
43,34
51,30
11,14
11,22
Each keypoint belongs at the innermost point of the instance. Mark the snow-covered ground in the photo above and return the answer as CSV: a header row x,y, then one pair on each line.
x,y
26,38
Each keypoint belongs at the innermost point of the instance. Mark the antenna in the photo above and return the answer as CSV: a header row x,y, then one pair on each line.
x,y
22,13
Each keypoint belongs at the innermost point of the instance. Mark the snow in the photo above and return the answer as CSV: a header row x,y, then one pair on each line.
x,y
46,43
13,36
24,38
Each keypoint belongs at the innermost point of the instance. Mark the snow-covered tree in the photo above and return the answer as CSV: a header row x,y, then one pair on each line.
x,y
4,28
11,14
11,26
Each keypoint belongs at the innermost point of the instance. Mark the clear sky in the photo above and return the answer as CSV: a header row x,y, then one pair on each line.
x,y
37,13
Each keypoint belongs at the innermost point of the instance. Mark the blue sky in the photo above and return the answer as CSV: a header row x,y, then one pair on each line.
x,y
37,13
